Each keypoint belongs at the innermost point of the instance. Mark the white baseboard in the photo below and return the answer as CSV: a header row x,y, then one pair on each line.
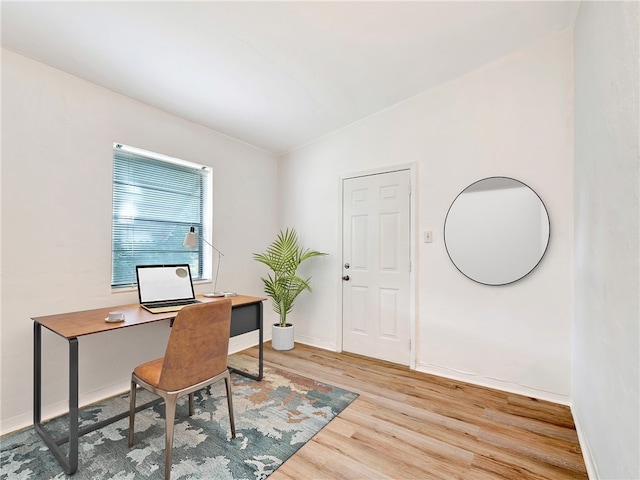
x,y
13,424
460,376
62,407
493,383
314,342
592,472
247,340
8,425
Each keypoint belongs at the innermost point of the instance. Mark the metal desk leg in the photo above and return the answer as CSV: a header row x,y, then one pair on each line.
x,y
260,343
37,373
74,412
70,463
260,348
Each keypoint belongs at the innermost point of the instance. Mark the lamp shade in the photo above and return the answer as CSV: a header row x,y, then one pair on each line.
x,y
190,239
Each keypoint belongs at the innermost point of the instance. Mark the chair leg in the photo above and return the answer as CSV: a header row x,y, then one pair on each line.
x,y
169,418
191,404
227,382
132,411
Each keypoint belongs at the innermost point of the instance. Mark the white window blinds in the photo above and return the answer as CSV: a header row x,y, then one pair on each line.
x,y
154,204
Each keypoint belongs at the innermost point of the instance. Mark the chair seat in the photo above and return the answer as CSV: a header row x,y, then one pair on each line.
x,y
150,371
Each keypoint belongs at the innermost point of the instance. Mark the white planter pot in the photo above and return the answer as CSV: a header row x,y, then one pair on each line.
x,y
282,337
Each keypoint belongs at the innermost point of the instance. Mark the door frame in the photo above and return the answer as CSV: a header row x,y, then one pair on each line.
x,y
413,278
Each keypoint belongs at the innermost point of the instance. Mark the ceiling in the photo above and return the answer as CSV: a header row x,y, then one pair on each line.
x,y
276,75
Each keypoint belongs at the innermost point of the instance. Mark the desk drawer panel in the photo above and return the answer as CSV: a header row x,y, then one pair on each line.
x,y
245,318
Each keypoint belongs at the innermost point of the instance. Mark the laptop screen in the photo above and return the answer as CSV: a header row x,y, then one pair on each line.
x,y
164,282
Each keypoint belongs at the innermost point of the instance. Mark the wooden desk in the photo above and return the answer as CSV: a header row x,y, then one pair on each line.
x,y
246,316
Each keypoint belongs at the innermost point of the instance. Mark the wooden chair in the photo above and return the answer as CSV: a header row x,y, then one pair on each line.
x,y
196,356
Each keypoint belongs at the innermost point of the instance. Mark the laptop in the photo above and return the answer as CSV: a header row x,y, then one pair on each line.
x,y
165,288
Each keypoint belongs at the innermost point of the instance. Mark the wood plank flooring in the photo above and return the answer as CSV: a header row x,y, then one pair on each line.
x,y
410,425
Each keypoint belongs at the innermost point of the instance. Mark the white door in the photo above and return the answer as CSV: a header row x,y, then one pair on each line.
x,y
376,266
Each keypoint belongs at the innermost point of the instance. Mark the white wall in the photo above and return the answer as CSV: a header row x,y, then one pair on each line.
x,y
606,357
511,118
57,136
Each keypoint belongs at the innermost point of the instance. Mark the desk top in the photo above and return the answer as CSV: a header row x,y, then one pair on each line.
x,y
76,324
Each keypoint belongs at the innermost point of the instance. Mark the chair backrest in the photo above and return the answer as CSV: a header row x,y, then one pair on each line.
x,y
198,345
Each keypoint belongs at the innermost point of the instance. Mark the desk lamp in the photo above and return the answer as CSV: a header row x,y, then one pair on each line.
x,y
191,241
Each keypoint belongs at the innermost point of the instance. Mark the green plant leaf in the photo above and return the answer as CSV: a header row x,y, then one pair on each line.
x,y
283,257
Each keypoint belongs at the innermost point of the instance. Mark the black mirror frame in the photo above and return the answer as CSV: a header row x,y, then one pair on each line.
x,y
444,231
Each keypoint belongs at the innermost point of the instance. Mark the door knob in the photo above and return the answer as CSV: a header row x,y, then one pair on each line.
x,y
346,278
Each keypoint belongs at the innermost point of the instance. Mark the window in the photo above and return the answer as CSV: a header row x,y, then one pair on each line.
x,y
155,201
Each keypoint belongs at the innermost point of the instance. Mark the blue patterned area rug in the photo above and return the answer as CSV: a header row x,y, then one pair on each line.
x,y
274,418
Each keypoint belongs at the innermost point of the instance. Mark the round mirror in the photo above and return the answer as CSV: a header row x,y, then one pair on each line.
x,y
496,230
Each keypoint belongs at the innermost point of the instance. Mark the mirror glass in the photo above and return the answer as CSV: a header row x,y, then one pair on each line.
x,y
496,230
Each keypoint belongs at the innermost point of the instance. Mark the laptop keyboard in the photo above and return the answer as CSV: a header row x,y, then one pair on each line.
x,y
173,303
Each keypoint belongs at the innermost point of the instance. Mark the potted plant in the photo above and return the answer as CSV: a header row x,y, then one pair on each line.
x,y
282,284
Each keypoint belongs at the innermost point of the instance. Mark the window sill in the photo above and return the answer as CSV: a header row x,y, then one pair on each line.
x,y
134,288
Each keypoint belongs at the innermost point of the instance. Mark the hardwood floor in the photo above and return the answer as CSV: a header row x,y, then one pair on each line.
x,y
410,425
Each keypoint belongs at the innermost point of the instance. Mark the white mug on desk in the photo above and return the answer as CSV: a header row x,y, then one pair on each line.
x,y
115,317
